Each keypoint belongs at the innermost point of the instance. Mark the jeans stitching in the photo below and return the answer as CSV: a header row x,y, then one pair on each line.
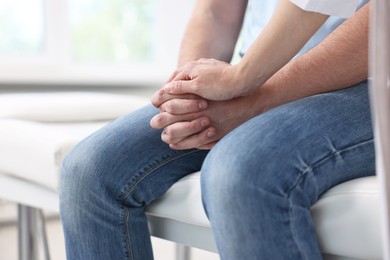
x,y
147,172
310,168
131,187
293,232
127,237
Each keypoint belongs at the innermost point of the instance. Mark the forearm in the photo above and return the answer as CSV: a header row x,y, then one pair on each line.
x,y
212,31
341,60
287,32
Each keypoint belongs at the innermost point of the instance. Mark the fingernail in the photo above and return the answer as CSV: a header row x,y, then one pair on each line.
x,y
210,134
202,104
204,123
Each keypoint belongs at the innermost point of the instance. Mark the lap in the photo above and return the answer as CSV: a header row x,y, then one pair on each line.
x,y
325,133
328,136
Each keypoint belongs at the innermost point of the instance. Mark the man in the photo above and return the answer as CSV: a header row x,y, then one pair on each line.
x,y
277,143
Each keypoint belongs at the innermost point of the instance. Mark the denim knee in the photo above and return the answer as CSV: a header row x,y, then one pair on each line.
x,y
99,167
230,178
79,177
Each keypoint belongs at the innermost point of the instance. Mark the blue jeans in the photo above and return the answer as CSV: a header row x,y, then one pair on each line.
x,y
258,182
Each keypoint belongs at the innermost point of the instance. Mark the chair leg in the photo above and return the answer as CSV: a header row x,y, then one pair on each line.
x,y
183,252
27,232
43,232
31,229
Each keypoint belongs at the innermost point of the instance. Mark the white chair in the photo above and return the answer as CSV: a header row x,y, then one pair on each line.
x,y
37,130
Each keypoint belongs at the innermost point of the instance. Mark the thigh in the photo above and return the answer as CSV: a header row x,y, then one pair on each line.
x,y
128,160
316,142
259,182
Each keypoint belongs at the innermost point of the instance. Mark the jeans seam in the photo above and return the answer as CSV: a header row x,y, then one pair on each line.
x,y
310,168
127,192
147,172
127,237
293,232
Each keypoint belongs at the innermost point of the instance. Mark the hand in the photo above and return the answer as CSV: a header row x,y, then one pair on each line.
x,y
201,129
207,78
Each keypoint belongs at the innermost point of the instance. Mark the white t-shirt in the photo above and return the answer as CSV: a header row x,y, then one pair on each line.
x,y
259,13
340,8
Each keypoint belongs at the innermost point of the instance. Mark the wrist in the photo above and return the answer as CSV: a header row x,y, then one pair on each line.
x,y
280,89
250,78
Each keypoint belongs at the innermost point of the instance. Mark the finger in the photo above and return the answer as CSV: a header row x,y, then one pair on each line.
x,y
181,73
182,130
179,87
164,119
183,106
172,76
161,96
168,140
196,140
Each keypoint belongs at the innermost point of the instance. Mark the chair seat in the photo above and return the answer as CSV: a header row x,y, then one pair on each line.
x,y
346,217
67,106
37,130
32,148
33,151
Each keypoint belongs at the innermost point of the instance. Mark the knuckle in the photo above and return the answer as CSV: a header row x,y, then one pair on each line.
x,y
160,120
160,96
175,86
168,132
171,131
166,138
179,84
160,93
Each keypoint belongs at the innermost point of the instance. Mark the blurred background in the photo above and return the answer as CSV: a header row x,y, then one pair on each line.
x,y
104,42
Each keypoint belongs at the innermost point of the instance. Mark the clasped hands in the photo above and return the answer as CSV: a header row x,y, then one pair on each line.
x,y
200,103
